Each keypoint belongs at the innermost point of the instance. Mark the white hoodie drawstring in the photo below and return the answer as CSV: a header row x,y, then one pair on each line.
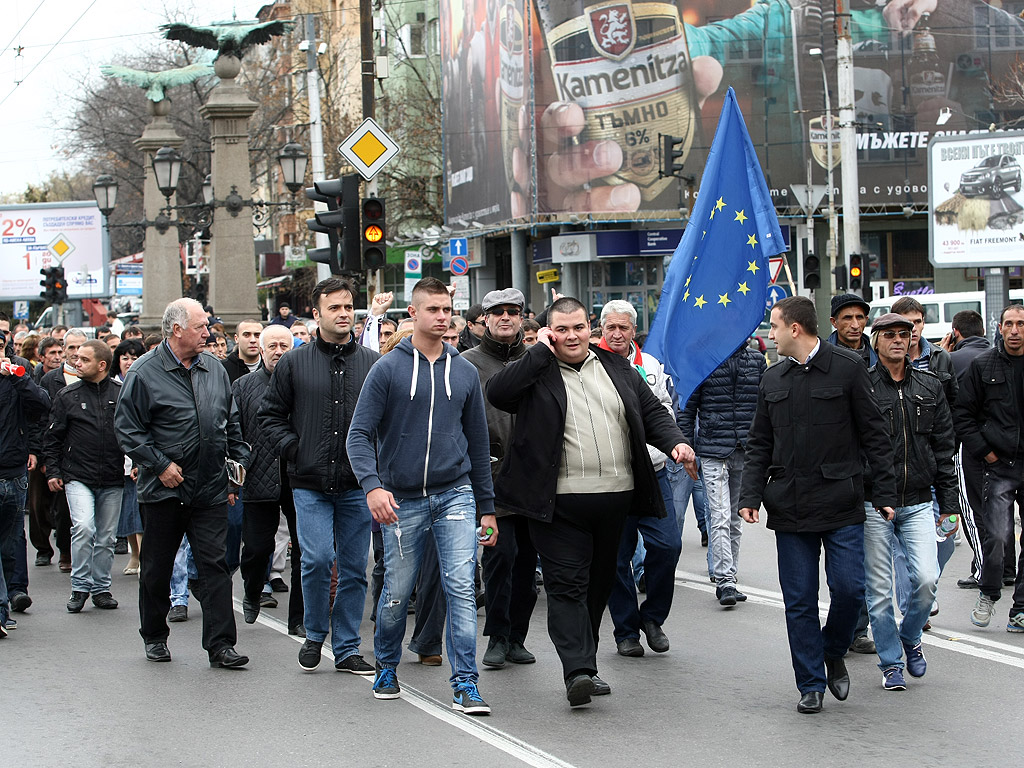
x,y
447,376
415,373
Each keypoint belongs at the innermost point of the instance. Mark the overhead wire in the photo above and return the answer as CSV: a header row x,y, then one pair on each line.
x,y
15,36
48,52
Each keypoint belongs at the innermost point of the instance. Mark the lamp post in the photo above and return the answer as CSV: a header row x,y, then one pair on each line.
x,y
833,234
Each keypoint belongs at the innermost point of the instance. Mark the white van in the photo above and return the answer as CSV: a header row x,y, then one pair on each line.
x,y
939,309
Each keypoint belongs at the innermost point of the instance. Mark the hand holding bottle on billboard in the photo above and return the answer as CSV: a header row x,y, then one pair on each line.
x,y
903,15
568,167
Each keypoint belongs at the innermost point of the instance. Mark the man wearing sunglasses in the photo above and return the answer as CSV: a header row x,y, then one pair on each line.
x,y
510,591
920,425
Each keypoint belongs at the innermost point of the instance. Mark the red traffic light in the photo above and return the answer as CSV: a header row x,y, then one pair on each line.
x,y
373,209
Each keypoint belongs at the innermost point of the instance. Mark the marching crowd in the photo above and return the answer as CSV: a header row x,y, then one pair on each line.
x,y
553,444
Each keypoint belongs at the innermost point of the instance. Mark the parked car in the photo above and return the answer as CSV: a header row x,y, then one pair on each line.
x,y
993,176
939,309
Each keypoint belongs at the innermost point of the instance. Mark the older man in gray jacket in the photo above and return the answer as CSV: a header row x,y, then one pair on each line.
x,y
177,421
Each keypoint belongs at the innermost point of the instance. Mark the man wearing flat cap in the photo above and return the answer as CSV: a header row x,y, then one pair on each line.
x,y
510,591
849,317
920,426
815,419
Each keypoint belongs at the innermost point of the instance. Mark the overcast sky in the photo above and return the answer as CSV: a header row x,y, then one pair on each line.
x,y
93,32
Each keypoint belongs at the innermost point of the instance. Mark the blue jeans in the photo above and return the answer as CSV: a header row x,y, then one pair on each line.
x,y
944,550
663,545
333,526
722,486
12,531
683,487
914,527
451,518
94,516
810,643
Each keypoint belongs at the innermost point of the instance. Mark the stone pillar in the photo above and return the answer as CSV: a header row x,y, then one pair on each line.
x,y
161,273
520,262
232,259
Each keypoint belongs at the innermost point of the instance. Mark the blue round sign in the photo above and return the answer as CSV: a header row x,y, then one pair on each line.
x,y
776,293
458,266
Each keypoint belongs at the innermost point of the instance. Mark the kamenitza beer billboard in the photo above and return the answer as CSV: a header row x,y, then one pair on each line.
x,y
555,107
977,219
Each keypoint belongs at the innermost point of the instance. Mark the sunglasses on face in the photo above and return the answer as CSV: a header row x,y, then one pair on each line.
x,y
499,311
893,334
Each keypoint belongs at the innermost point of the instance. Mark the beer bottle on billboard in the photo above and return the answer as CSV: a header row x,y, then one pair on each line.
x,y
627,65
927,81
512,53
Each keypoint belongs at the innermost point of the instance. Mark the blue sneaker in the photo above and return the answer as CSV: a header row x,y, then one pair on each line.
x,y
1015,624
385,684
892,679
917,665
467,699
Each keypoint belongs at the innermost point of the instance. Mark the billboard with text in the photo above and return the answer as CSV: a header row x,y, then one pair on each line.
x,y
555,107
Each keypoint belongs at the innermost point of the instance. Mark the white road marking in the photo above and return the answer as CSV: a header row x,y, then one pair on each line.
x,y
474,726
969,645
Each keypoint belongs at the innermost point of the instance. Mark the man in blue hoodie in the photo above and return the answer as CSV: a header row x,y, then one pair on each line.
x,y
419,446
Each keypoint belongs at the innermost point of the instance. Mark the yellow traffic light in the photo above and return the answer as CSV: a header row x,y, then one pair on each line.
x,y
373,234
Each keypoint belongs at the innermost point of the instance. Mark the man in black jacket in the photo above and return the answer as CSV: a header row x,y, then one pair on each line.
x,y
920,426
177,421
305,415
965,342
22,402
83,459
578,488
815,417
509,567
245,358
267,492
989,419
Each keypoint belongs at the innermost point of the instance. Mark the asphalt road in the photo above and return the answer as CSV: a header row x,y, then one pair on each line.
x,y
77,690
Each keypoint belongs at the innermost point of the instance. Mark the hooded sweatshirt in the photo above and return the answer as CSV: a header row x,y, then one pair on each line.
x,y
420,429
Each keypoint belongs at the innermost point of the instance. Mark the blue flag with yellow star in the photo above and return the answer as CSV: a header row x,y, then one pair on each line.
x,y
717,282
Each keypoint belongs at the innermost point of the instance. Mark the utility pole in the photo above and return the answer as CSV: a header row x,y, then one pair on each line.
x,y
848,136
374,277
316,125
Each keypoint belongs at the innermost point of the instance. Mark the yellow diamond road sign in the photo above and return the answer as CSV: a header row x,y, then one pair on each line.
x,y
368,148
61,248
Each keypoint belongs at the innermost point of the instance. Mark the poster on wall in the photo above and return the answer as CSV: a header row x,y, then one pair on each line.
x,y
557,107
976,204
34,237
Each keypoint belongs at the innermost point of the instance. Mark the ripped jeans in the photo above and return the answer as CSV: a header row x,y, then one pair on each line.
x,y
451,518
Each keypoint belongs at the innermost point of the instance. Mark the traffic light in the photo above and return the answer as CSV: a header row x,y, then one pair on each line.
x,y
339,222
812,274
374,231
842,276
670,154
47,282
856,272
60,286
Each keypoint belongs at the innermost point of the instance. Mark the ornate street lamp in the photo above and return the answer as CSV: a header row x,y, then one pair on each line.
x,y
166,167
293,166
104,189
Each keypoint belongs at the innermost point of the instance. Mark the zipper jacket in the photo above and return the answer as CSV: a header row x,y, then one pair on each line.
x,y
80,443
920,426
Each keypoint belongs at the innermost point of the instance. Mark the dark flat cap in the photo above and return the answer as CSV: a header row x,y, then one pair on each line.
x,y
846,299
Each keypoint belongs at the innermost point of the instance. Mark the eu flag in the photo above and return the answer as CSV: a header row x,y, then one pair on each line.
x,y
716,285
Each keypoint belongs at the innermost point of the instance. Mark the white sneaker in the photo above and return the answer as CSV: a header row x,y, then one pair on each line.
x,y
982,613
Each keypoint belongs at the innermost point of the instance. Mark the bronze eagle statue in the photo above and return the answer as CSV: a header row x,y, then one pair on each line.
x,y
156,83
228,38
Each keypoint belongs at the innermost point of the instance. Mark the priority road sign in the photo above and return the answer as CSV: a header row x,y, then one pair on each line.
x,y
368,148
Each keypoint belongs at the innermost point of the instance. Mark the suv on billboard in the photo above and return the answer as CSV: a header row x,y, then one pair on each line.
x,y
993,176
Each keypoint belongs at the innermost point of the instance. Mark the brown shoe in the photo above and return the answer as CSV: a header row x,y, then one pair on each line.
x,y
65,566
430,661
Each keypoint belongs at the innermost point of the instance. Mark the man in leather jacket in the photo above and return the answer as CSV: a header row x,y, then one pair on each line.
x,y
920,426
177,421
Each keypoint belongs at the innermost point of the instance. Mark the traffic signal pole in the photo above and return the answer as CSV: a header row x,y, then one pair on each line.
x,y
316,134
374,277
848,136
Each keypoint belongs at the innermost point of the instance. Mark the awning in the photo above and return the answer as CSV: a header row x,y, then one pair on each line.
x,y
273,281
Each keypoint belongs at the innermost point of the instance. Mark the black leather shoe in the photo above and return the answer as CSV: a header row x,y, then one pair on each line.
x,y
656,637
629,647
601,688
969,583
104,600
298,630
250,610
77,601
1009,581
157,652
43,559
838,678
579,689
228,658
810,703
